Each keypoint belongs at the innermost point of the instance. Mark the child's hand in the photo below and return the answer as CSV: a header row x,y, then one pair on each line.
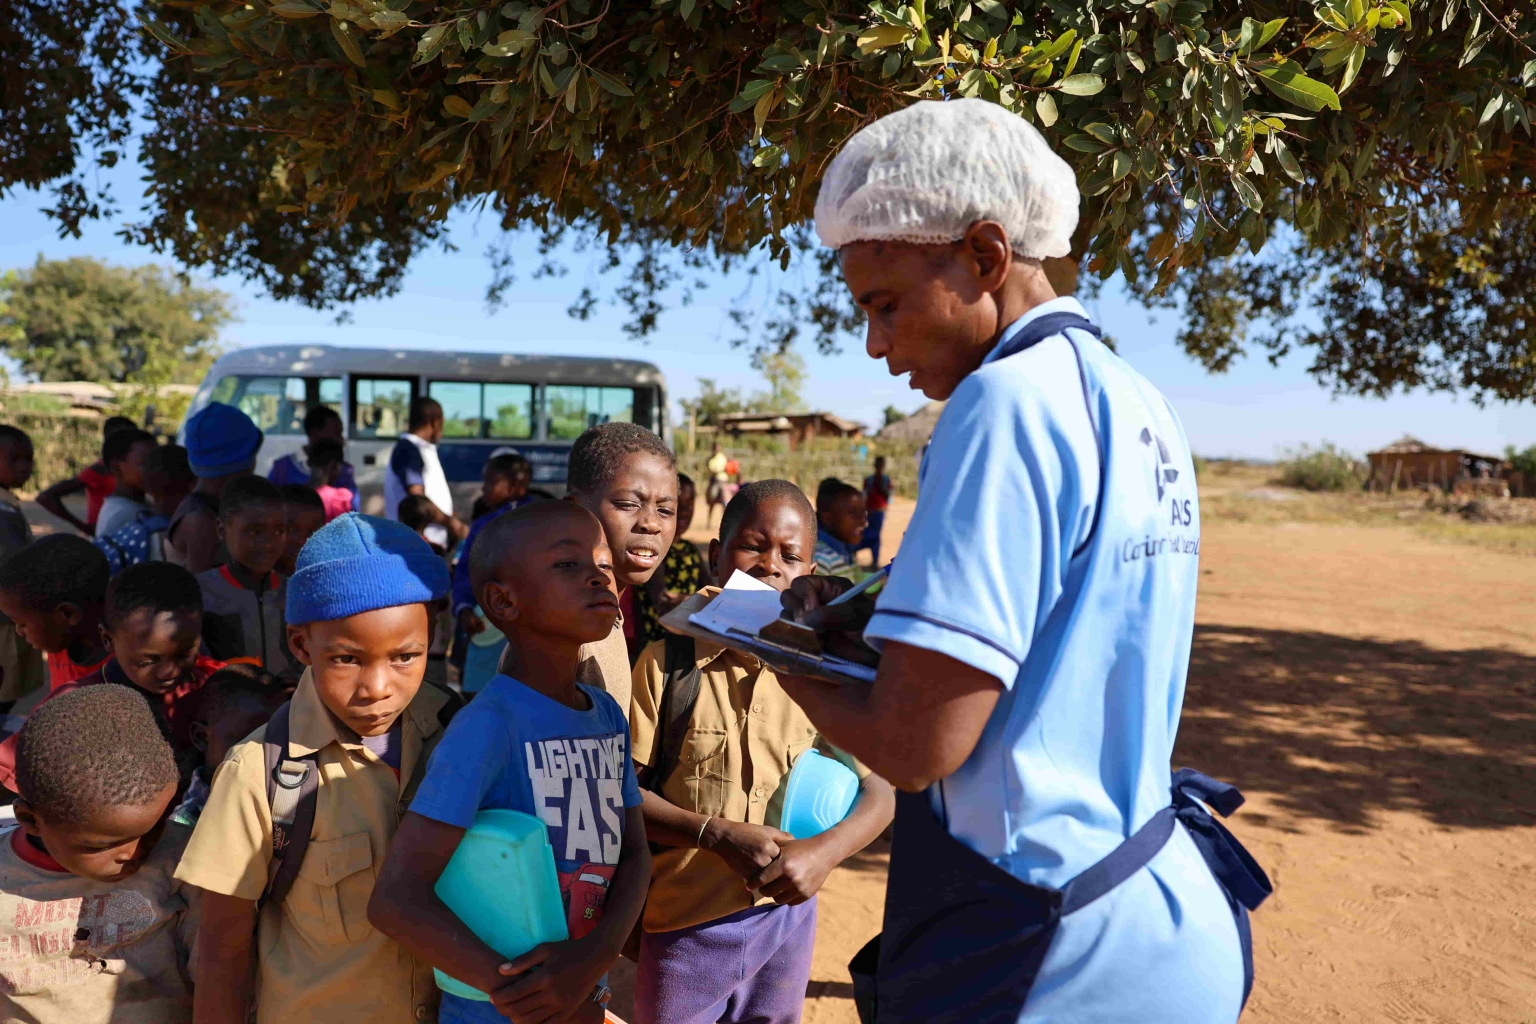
x,y
471,623
799,872
549,982
746,848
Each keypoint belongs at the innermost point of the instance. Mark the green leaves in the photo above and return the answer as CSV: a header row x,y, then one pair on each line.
x,y
457,106
342,31
1288,83
1081,85
881,37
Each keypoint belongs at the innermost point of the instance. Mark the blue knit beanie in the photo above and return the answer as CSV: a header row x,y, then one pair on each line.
x,y
221,440
357,563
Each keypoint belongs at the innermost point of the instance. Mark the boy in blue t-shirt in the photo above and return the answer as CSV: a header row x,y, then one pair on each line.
x,y
535,741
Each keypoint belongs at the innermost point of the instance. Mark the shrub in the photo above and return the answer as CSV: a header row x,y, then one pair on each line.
x,y
1324,468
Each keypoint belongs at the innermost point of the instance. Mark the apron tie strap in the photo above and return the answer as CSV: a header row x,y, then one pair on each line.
x,y
1233,866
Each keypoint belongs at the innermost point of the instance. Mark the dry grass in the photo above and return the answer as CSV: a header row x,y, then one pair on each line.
x,y
1246,493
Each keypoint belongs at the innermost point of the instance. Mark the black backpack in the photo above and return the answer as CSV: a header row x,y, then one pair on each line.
x,y
291,787
680,685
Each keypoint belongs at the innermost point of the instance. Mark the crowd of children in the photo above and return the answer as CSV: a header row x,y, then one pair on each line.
x,y
244,777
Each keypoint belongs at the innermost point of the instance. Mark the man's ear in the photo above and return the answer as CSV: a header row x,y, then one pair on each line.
x,y
986,243
499,601
298,643
199,735
714,558
25,815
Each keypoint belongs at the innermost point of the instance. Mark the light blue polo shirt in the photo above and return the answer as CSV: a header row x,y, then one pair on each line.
x,y
1084,610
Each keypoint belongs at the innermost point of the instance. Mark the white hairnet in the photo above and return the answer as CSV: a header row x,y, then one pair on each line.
x,y
927,173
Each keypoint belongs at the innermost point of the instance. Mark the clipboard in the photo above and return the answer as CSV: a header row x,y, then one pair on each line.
x,y
778,650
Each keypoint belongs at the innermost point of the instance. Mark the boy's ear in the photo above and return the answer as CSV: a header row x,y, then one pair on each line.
x,y
298,643
714,558
106,639
199,735
25,816
499,601
70,612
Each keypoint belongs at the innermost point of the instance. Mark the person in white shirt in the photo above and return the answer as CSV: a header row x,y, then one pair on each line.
x,y
124,453
414,469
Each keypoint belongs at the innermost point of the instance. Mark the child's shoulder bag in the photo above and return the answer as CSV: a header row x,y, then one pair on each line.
x,y
291,793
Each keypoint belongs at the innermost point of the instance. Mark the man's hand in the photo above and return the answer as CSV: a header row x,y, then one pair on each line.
x,y
471,623
549,982
840,627
798,874
746,848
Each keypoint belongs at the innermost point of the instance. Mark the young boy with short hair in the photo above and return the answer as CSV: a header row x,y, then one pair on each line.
x,y
503,486
626,476
840,522
305,513
21,666
877,498
243,598
538,741
168,480
234,702
326,461
94,480
320,424
731,918
52,591
681,574
151,626
125,454
362,722
93,924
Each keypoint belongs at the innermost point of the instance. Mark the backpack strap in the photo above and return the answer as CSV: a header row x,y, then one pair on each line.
x,y
291,794
679,693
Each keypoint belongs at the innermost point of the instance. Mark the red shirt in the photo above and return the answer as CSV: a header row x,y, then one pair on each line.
x,y
62,669
179,706
99,486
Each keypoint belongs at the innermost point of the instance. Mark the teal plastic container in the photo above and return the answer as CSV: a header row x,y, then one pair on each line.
x,y
501,881
820,793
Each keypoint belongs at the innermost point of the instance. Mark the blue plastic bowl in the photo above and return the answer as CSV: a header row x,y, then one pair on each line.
x,y
501,881
820,793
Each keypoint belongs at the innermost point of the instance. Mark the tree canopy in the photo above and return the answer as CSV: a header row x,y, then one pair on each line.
x,y
1369,160
81,319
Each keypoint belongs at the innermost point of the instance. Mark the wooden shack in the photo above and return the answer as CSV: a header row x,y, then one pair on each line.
x,y
1409,462
795,428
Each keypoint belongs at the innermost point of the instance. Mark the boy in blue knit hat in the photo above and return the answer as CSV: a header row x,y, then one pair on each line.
x,y
355,738
221,443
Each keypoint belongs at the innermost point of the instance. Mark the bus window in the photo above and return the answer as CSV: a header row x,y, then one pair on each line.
x,y
574,408
509,411
278,404
381,406
461,407
499,411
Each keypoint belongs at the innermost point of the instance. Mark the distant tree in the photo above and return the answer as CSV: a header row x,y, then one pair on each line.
x,y
82,319
893,415
785,375
1522,461
713,402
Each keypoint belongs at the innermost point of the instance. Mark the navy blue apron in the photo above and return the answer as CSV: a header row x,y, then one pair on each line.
x,y
964,939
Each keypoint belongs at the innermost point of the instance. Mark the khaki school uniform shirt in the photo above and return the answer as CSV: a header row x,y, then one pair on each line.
x,y
74,951
734,763
606,664
318,957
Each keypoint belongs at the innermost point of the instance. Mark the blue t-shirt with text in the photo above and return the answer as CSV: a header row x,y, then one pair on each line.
x,y
513,748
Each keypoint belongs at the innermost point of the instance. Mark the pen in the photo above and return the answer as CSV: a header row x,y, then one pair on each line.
x,y
869,581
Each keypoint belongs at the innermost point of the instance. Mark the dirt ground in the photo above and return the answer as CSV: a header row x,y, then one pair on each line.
x,y
1372,689
1373,692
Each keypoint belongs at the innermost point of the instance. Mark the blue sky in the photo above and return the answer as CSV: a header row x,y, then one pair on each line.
x,y
1253,411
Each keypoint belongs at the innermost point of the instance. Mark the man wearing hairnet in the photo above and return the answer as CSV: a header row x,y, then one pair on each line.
x,y
1034,634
